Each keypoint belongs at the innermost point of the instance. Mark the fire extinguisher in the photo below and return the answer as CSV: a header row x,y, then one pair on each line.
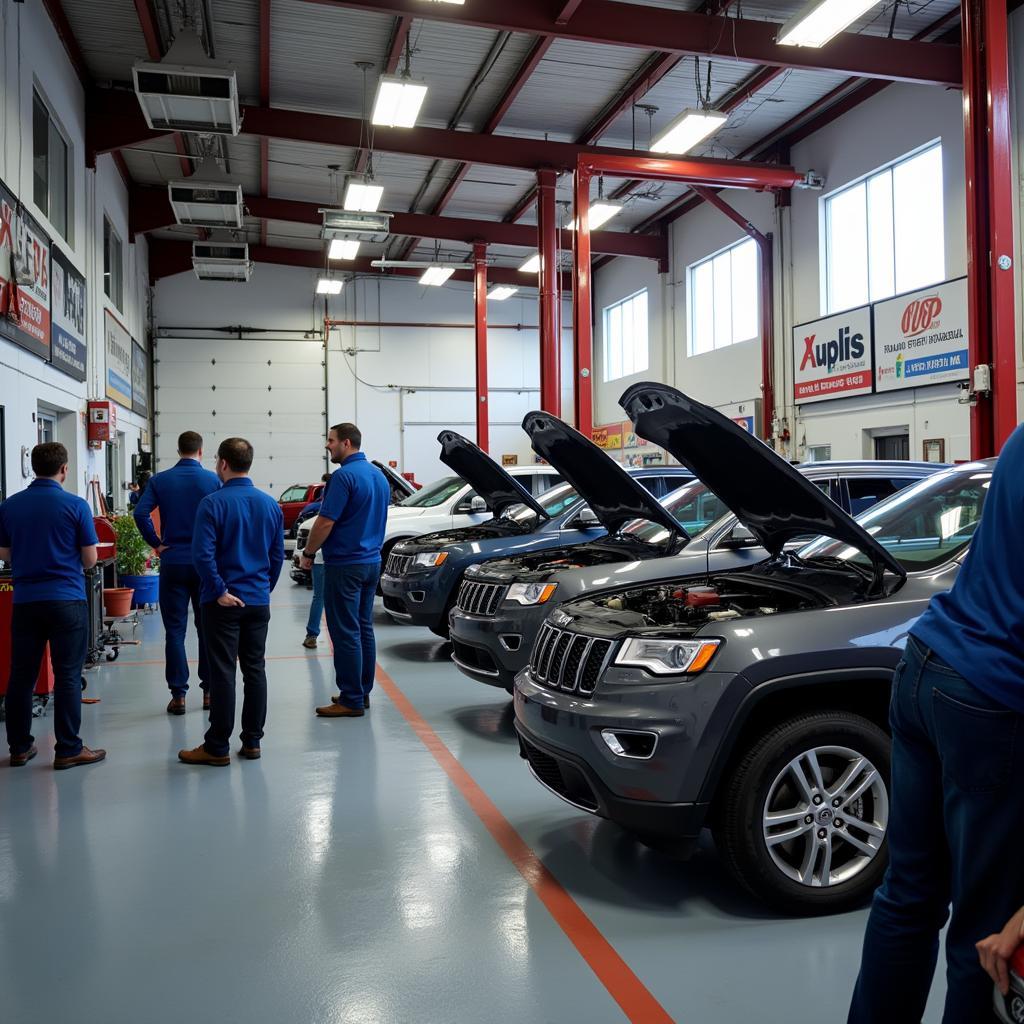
x,y
1010,1008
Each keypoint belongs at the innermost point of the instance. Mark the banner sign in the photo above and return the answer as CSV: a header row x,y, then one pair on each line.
x,y
833,357
140,380
921,338
68,321
118,344
26,320
607,437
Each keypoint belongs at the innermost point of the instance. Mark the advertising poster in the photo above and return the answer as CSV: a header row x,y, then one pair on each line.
x,y
140,380
24,295
921,338
607,437
67,345
833,357
118,345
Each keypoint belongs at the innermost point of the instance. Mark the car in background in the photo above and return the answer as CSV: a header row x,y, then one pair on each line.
x,y
503,602
421,576
754,700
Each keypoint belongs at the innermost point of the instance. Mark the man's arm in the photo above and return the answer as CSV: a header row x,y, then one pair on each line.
x,y
204,550
87,539
90,556
277,548
144,518
335,498
321,530
5,555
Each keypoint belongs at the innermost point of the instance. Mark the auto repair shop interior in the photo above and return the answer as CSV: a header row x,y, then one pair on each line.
x,y
685,334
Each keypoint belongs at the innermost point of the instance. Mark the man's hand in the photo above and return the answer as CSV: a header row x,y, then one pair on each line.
x,y
995,951
228,600
163,547
305,563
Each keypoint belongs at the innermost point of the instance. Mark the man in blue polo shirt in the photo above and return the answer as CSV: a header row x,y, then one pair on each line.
x,y
350,529
176,492
238,551
48,536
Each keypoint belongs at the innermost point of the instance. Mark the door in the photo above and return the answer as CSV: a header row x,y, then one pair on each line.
x,y
46,427
892,447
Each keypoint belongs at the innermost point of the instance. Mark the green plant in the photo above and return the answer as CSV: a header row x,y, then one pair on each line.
x,y
134,555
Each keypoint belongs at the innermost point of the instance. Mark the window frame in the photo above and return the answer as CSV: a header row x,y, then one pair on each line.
x,y
109,233
606,337
54,128
691,291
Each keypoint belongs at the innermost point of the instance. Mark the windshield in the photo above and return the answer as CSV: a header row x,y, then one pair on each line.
x,y
295,493
554,501
693,506
434,494
923,526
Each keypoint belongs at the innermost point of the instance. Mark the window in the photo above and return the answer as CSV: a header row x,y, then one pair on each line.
x,y
868,491
723,299
885,235
297,493
625,337
113,266
50,186
819,452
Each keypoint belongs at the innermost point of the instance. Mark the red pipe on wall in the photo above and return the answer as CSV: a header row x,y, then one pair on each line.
x,y
582,318
547,246
480,305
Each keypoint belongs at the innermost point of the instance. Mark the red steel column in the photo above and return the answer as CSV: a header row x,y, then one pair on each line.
x,y
480,305
550,342
582,317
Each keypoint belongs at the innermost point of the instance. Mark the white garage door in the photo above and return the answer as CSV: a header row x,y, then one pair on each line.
x,y
270,392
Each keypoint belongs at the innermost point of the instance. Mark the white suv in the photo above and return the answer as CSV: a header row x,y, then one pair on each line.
x,y
446,503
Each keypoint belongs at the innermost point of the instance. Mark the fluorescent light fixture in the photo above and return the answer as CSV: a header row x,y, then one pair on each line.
x,y
328,286
601,211
398,101
363,198
501,293
459,2
687,130
343,249
436,276
820,20
532,265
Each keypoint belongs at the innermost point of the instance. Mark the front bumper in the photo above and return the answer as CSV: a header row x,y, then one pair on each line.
x,y
418,598
298,574
495,649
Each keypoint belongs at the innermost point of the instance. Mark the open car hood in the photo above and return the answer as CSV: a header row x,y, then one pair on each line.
x,y
613,495
400,487
773,500
499,489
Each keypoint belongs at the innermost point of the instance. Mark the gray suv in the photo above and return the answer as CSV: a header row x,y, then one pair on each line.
x,y
754,700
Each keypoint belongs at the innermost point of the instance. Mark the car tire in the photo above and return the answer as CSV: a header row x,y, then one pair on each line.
x,y
787,874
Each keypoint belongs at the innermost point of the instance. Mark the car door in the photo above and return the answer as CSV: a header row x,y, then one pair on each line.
x,y
861,492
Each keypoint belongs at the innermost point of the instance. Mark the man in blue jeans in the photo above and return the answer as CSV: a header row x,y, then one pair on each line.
x,y
48,537
350,530
176,492
957,717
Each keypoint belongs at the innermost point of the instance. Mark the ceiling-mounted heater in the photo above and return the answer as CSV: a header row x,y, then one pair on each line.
x,y
367,227
221,261
208,199
187,91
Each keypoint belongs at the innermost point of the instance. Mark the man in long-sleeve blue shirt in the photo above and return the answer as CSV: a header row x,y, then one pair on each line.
x,y
238,551
176,492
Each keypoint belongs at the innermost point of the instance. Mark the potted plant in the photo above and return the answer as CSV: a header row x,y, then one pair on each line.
x,y
137,564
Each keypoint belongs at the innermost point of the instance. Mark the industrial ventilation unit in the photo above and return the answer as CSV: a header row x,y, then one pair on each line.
x,y
367,227
221,261
208,199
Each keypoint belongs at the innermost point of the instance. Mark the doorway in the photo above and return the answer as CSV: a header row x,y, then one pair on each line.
x,y
892,447
46,427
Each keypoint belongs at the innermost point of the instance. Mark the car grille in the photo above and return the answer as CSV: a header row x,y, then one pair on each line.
x,y
398,565
568,661
481,598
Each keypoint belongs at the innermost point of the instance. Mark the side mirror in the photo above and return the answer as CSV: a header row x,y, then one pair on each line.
x,y
471,506
739,537
586,519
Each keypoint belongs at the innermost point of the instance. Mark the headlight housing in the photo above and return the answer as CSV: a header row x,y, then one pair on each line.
x,y
431,559
667,657
531,593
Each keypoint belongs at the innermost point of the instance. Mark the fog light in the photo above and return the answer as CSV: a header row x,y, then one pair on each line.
x,y
417,596
628,743
511,641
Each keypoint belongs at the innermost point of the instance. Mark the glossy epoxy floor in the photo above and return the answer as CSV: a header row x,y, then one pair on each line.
x,y
344,879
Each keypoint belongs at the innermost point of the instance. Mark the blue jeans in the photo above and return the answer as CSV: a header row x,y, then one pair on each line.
x,y
349,591
65,625
316,608
179,587
957,804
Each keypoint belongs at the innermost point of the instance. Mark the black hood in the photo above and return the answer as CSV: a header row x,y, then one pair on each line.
x,y
613,495
769,496
400,487
484,475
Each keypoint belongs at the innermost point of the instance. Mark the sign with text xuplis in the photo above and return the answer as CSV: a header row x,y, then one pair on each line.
x,y
833,357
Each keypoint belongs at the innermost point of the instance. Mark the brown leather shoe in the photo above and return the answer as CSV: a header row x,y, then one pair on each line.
x,y
249,753
176,706
200,755
206,700
19,760
366,702
333,710
84,756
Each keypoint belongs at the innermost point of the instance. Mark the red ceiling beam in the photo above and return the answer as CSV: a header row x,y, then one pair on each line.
x,y
689,33
565,9
62,27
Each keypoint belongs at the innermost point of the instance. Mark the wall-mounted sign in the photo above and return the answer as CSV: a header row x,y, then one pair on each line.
x,y
140,380
25,293
608,437
67,348
118,345
921,338
510,460
833,358
745,414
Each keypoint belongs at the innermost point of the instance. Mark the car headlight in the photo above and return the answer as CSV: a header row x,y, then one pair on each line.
x,y
531,593
431,559
667,657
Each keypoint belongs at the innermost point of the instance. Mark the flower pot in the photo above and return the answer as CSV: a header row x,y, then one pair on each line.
x,y
117,602
147,589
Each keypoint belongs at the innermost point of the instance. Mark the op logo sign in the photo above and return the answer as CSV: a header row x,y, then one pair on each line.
x,y
920,316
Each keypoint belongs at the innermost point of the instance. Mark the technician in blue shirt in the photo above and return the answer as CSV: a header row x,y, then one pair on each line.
x,y
350,529
238,551
49,538
957,801
176,492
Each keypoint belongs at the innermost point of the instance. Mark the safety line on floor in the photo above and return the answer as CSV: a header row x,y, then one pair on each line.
x,y
633,997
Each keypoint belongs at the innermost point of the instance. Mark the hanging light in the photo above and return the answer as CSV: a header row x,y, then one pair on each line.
x,y
501,293
362,196
399,97
687,130
329,286
532,265
820,20
436,276
343,249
